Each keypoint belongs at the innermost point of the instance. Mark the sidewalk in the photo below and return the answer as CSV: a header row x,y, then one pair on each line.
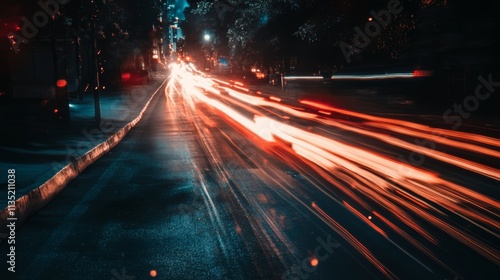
x,y
37,148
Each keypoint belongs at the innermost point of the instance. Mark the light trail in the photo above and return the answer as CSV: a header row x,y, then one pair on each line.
x,y
453,160
413,199
354,77
466,136
439,138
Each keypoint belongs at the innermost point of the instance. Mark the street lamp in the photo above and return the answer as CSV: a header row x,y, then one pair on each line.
x,y
207,37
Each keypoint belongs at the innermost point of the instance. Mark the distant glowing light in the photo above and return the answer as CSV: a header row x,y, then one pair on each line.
x,y
264,19
153,273
314,261
61,83
422,73
126,76
260,75
206,37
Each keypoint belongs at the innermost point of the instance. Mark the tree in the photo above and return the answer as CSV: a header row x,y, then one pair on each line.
x,y
307,32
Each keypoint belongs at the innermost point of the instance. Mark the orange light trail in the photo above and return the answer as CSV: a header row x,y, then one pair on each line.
x,y
368,179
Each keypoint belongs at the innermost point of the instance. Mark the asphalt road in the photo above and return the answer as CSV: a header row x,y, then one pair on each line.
x,y
191,193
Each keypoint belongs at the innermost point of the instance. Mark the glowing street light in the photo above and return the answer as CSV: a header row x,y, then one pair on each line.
x,y
207,37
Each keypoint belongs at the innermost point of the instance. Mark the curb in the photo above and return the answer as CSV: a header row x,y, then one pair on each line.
x,y
36,199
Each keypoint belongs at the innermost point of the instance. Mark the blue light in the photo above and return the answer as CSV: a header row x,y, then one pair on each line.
x,y
264,19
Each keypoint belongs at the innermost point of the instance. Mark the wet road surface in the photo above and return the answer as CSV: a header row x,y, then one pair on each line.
x,y
221,186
